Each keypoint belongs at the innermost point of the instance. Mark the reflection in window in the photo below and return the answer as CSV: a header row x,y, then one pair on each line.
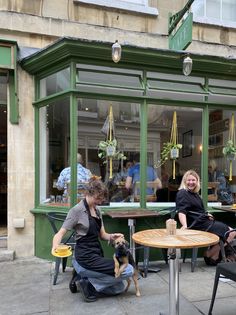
x,y
189,126
220,188
55,83
55,137
92,115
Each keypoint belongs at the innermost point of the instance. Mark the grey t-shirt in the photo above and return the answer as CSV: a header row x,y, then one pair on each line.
x,y
78,219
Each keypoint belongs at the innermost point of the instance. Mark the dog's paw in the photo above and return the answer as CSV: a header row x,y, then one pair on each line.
x,y
138,293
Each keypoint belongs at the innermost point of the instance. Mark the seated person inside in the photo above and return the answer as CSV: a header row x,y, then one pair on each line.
x,y
134,176
95,272
192,215
83,176
224,195
117,190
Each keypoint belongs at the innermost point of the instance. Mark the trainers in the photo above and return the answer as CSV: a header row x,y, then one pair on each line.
x,y
87,290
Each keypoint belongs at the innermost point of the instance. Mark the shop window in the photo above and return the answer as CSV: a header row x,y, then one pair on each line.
x,y
188,133
219,12
54,152
54,83
221,184
93,127
138,6
109,80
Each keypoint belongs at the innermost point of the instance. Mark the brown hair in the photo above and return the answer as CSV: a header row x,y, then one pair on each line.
x,y
184,180
97,188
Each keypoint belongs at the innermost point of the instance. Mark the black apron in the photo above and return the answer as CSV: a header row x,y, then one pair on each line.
x,y
88,250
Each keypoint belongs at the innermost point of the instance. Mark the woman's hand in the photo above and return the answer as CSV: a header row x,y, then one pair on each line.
x,y
210,216
183,227
114,236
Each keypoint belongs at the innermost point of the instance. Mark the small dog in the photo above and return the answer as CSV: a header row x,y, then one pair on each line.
x,y
122,257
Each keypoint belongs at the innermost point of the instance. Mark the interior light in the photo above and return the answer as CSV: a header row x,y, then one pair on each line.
x,y
116,52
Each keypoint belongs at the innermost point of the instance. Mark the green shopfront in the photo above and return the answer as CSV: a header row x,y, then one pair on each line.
x,y
76,84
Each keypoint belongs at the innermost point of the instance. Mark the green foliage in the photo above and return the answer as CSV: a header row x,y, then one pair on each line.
x,y
102,150
229,148
166,150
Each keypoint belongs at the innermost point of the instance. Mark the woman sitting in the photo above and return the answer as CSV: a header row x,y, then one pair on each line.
x,y
192,215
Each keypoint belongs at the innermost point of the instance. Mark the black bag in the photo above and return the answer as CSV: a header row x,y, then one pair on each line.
x,y
225,197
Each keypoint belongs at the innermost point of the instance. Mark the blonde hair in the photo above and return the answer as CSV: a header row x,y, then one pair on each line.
x,y
184,180
213,165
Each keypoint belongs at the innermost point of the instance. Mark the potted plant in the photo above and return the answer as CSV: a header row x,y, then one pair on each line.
x,y
169,150
108,149
229,150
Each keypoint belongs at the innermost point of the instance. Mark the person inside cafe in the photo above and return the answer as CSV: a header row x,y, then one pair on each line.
x,y
117,190
83,176
134,176
192,215
224,195
95,272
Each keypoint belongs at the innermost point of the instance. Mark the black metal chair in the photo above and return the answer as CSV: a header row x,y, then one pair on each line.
x,y
56,219
227,270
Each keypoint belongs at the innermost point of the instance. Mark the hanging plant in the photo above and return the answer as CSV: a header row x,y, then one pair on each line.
x,y
229,149
108,149
171,149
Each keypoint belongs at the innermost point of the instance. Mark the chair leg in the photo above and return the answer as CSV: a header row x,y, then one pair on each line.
x,y
165,254
214,291
56,271
64,262
194,259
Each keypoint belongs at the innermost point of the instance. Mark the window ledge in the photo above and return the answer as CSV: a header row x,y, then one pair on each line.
x,y
211,21
121,5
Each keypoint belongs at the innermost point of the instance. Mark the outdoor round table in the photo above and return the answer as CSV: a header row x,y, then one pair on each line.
x,y
183,239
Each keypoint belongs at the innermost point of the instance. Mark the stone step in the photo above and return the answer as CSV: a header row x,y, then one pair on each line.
x,y
6,255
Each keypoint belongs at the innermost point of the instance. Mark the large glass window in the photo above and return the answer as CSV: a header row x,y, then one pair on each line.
x,y
188,132
93,127
54,152
221,168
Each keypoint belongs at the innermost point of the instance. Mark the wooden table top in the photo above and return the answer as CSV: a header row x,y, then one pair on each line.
x,y
182,239
226,208
132,214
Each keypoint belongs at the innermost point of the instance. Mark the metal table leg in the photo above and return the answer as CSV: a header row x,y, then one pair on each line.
x,y
131,224
173,282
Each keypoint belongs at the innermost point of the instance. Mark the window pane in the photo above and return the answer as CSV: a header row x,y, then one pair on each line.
x,y
198,7
220,188
54,152
188,133
229,10
55,83
92,119
213,9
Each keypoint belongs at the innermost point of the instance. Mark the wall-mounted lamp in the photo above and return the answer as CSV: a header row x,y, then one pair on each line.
x,y
187,65
116,52
200,148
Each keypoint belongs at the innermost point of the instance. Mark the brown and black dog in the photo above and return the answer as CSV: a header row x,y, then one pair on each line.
x,y
122,257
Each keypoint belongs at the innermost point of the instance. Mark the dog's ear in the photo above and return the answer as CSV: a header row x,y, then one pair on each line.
x,y
111,242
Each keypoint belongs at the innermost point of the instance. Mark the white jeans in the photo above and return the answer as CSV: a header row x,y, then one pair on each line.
x,y
104,283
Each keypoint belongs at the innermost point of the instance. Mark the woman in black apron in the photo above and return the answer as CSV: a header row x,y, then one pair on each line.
x,y
96,272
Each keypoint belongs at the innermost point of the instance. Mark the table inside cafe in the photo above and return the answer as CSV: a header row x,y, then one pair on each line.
x,y
182,239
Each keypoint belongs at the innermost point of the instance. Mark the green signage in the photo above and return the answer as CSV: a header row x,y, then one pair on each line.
x,y
183,36
6,56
